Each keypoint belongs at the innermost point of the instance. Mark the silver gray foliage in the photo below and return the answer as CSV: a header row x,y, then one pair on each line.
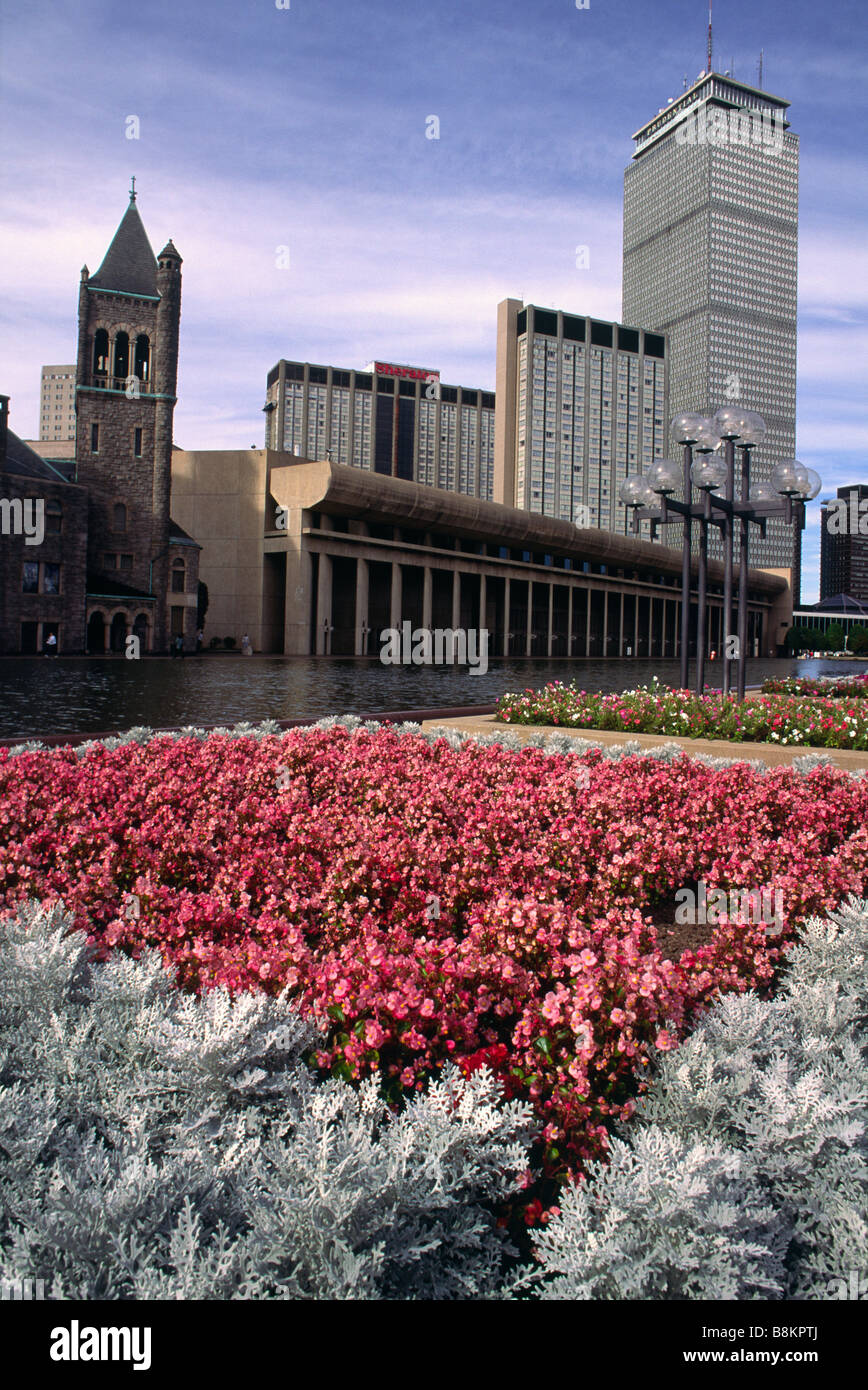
x,y
158,1145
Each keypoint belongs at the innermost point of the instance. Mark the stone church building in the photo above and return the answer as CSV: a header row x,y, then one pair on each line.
x,y
122,566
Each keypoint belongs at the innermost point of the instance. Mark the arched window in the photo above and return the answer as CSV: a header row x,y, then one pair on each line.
x,y
119,518
143,357
122,355
178,576
100,352
53,517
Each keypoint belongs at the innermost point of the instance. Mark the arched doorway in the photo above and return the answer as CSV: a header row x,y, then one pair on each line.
x,y
119,632
96,634
140,630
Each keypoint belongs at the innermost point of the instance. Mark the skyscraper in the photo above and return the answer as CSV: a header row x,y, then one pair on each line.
x,y
844,544
580,404
710,259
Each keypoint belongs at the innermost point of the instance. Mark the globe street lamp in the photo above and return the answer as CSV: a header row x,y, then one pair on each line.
x,y
791,482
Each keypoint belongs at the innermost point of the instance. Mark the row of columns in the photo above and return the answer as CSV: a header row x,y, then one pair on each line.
x,y
324,611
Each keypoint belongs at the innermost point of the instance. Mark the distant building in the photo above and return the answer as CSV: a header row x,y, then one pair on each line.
x,y
844,544
392,419
580,404
57,403
710,259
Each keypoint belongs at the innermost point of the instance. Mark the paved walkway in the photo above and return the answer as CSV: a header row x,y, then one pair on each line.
x,y
719,748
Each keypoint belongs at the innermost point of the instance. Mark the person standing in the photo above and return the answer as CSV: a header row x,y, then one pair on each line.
x,y
200,637
51,644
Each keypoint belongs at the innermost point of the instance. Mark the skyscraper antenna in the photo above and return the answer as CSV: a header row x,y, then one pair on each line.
x,y
708,67
760,70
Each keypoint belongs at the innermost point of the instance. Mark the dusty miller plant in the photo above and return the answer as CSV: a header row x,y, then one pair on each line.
x,y
158,1145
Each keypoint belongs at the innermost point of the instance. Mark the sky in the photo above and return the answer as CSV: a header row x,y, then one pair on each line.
x,y
269,135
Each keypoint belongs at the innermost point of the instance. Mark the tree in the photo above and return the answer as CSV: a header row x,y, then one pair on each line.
x,y
857,640
811,639
836,637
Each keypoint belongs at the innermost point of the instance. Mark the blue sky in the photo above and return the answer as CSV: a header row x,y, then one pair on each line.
x,y
305,128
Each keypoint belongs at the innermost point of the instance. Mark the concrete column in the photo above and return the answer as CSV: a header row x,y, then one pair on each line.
x,y
570,643
456,599
621,642
427,597
650,624
636,625
505,651
362,578
587,622
551,618
482,596
324,606
528,640
605,622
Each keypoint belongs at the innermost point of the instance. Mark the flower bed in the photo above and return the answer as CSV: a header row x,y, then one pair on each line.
x,y
427,903
832,687
811,721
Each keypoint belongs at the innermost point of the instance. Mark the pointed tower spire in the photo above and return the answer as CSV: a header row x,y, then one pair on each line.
x,y
129,263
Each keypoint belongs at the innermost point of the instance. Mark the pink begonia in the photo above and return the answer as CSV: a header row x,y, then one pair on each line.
x,y
543,961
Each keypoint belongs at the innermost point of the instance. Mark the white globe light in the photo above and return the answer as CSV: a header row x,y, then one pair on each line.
x,y
664,476
632,490
707,438
764,494
753,428
685,425
790,478
728,421
708,472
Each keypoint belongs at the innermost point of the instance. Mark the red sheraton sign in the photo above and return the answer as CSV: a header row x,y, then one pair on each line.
x,y
413,373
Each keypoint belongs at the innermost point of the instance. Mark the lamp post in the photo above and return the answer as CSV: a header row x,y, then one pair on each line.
x,y
791,482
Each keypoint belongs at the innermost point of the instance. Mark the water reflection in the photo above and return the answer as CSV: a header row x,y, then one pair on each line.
x,y
81,695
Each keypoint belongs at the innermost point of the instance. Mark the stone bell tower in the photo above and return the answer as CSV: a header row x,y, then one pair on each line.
x,y
128,329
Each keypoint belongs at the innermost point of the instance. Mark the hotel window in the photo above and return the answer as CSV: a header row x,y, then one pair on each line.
x,y
137,443
94,438
30,583
178,576
51,579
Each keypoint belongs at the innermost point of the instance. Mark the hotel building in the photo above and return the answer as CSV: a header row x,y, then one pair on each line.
x,y
580,404
396,420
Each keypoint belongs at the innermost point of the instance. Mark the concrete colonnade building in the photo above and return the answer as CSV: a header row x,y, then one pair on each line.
x,y
313,557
